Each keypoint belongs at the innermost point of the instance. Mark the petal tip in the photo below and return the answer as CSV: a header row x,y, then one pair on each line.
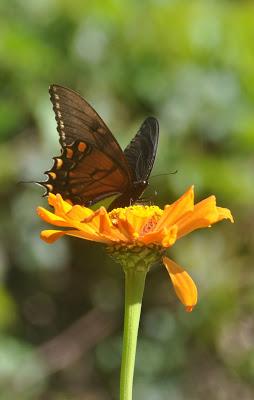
x,y
230,217
189,309
183,284
102,210
38,210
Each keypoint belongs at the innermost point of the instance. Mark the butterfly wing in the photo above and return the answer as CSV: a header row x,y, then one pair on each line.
x,y
140,153
85,175
77,120
92,165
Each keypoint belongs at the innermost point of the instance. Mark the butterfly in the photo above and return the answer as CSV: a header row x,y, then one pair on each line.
x,y
92,165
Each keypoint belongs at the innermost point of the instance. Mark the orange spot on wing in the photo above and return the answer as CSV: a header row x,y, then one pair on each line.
x,y
52,175
69,152
59,163
82,146
49,187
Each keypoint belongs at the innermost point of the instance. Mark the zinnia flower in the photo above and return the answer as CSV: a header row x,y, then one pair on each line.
x,y
139,231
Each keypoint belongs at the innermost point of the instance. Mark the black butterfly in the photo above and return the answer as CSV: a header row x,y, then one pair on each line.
x,y
92,165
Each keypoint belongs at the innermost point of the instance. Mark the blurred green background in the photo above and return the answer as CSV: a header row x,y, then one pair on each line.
x,y
190,64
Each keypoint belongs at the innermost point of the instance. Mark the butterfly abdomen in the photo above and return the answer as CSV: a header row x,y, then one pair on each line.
x,y
129,197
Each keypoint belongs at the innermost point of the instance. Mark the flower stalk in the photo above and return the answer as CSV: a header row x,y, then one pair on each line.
x,y
134,289
136,262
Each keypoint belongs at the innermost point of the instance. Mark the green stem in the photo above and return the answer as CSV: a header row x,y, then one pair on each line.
x,y
134,288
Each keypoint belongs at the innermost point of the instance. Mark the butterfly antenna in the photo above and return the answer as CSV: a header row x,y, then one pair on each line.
x,y
42,184
36,182
169,173
19,182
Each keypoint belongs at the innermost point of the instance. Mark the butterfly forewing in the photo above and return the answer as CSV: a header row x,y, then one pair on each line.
x,y
77,120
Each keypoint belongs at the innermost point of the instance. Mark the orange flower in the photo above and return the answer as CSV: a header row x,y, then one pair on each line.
x,y
138,226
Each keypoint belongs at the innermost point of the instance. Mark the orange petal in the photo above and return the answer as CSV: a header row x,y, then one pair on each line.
x,y
107,229
93,236
205,213
165,237
100,224
170,236
125,228
51,199
183,284
172,213
134,222
51,236
51,218
95,221
79,213
224,213
105,225
61,206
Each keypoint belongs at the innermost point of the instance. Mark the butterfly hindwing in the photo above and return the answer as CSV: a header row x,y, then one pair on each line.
x,y
140,153
84,175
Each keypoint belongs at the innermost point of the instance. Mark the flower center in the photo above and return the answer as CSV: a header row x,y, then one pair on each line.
x,y
149,225
140,211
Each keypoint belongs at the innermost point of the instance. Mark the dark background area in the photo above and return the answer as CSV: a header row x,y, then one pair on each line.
x,y
190,64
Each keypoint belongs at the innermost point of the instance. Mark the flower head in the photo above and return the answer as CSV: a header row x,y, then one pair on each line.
x,y
138,227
